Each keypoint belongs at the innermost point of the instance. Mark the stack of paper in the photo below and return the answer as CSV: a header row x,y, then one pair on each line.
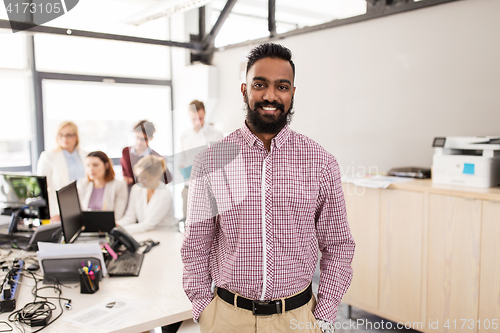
x,y
376,181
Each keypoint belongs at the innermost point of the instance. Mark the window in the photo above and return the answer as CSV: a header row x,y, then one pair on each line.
x,y
16,133
80,55
13,55
239,28
112,17
3,14
106,112
15,101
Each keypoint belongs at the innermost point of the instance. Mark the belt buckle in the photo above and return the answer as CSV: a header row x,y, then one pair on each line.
x,y
256,303
254,307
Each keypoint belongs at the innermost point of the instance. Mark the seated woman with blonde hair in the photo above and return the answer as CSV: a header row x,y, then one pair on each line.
x,y
100,190
150,201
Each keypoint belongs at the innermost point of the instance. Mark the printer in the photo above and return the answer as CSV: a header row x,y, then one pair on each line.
x,y
467,161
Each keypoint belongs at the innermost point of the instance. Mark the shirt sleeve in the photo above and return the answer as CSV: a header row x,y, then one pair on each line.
x,y
198,239
124,163
44,168
121,196
130,214
335,243
81,187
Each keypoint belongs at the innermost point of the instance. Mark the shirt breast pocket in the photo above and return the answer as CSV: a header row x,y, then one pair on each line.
x,y
301,198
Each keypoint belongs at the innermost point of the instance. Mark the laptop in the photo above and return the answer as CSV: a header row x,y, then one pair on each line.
x,y
98,221
75,221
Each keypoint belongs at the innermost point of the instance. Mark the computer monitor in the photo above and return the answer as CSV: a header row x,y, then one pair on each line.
x,y
71,213
28,192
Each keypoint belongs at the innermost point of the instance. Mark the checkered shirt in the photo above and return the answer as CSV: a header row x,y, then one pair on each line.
x,y
256,219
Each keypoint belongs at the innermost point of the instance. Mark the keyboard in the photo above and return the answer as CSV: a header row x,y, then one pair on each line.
x,y
127,264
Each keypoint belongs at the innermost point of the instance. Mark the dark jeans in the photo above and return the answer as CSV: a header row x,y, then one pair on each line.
x,y
172,328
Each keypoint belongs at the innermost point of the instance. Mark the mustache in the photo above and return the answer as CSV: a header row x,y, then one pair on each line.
x,y
277,105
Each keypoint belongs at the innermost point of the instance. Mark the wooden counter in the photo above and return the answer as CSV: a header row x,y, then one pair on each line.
x,y
426,186
426,252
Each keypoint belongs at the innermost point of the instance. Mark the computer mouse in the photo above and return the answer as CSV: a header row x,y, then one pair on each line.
x,y
33,268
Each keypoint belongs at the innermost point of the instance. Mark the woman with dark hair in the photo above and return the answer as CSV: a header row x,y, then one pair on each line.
x,y
100,190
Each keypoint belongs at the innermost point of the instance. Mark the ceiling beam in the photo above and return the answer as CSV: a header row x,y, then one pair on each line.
x,y
6,24
208,40
202,22
271,18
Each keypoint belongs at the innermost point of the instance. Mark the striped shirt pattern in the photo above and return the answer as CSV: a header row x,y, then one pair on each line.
x,y
257,218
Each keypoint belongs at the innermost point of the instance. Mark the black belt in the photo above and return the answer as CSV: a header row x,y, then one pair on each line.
x,y
267,308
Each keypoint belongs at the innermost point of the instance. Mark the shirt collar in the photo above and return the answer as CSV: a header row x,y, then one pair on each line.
x,y
202,130
145,153
278,140
249,137
282,136
68,154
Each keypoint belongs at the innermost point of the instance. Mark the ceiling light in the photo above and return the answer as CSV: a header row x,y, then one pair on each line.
x,y
165,8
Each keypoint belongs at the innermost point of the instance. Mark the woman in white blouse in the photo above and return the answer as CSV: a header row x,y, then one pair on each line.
x,y
150,201
63,164
100,190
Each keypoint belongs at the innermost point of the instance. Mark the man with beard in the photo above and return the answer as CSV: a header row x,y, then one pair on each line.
x,y
254,228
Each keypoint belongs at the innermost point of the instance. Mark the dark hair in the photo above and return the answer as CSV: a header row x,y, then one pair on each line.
x,y
198,105
110,173
270,50
145,127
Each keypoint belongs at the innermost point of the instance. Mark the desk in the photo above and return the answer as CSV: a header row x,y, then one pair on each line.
x,y
159,283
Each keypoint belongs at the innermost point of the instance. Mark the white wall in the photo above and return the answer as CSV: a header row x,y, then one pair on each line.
x,y
189,82
376,93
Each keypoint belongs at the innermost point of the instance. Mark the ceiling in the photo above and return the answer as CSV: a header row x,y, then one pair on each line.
x,y
248,18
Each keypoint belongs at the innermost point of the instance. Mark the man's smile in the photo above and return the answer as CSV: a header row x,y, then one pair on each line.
x,y
269,109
